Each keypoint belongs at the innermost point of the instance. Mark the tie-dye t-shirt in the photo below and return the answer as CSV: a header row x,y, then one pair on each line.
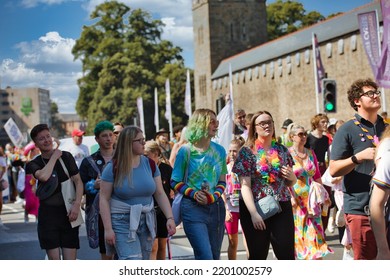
x,y
208,165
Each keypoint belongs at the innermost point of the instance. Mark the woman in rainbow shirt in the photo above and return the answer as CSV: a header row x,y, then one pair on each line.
x,y
202,208
264,168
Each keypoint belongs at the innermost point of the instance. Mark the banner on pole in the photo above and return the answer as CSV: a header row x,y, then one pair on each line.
x,y
168,110
156,113
13,132
187,97
320,71
140,106
383,71
369,34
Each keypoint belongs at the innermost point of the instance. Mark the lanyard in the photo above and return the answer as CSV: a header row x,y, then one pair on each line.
x,y
374,139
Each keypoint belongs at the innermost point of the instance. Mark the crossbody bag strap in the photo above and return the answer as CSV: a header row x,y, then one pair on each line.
x,y
187,147
93,164
64,167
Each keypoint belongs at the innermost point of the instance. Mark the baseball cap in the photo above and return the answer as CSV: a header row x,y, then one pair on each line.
x,y
77,132
286,123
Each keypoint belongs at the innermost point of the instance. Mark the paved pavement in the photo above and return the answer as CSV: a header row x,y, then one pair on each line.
x,y
20,241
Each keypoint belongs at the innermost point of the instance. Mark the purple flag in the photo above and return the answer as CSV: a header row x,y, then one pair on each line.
x,y
383,72
369,32
318,64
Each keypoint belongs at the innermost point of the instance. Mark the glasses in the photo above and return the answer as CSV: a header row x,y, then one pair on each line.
x,y
141,141
264,124
301,134
371,93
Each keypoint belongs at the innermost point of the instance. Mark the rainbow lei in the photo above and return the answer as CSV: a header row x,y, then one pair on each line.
x,y
268,162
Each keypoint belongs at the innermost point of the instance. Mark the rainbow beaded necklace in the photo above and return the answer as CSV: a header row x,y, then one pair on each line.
x,y
268,162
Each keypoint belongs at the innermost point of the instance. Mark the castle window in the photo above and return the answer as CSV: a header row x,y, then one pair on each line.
x,y
202,85
340,46
329,50
244,32
353,43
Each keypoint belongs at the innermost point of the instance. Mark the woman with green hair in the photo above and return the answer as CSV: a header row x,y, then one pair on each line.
x,y
202,207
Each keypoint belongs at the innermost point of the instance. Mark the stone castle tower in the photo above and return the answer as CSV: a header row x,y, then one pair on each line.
x,y
223,28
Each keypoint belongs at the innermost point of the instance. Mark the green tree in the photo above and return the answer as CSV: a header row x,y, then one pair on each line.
x,y
57,125
289,16
124,57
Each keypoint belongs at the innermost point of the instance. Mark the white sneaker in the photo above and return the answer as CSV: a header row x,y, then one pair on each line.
x,y
347,255
340,221
331,225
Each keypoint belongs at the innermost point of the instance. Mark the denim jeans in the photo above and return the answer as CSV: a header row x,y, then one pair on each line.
x,y
204,226
138,248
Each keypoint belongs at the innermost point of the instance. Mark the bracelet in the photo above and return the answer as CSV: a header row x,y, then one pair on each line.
x,y
170,218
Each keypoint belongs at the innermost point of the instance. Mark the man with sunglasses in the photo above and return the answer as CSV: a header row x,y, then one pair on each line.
x,y
352,156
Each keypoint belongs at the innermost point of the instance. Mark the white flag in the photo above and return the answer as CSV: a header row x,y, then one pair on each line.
x,y
187,98
156,115
226,118
168,111
140,106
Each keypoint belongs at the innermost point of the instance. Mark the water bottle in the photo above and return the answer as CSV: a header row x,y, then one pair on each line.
x,y
205,185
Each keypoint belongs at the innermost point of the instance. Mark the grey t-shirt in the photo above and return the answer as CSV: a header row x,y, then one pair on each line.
x,y
348,141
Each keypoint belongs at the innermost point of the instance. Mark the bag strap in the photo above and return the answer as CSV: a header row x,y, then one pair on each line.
x,y
187,148
93,164
64,167
152,165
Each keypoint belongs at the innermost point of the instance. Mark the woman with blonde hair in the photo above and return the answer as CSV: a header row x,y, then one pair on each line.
x,y
153,151
264,169
129,183
310,241
202,208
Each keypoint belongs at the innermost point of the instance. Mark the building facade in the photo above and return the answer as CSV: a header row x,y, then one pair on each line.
x,y
26,106
278,76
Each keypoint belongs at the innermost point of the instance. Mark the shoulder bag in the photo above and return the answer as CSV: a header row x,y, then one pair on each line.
x,y
69,195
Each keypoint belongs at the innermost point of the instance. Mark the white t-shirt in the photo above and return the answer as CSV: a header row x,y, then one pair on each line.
x,y
382,173
79,152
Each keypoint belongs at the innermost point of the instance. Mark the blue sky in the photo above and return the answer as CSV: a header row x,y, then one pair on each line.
x,y
36,38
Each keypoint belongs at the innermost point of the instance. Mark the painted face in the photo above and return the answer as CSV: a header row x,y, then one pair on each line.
x,y
264,126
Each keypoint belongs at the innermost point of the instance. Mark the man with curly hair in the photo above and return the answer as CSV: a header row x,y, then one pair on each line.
x,y
352,156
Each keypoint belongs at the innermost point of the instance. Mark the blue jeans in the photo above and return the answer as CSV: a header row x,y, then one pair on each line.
x,y
204,226
138,248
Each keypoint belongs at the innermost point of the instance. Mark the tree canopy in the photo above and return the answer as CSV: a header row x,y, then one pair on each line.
x,y
289,16
123,57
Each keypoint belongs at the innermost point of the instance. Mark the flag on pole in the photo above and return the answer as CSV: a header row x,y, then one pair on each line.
x,y
319,68
226,118
156,114
383,71
369,34
140,106
187,98
168,111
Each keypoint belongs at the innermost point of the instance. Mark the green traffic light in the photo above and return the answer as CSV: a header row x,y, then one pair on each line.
x,y
329,106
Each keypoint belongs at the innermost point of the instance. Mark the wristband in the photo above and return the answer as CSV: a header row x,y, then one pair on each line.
x,y
170,218
355,160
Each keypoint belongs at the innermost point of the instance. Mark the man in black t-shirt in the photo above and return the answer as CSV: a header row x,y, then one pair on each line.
x,y
352,156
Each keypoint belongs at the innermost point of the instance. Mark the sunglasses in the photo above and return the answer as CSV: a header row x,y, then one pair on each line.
x,y
301,134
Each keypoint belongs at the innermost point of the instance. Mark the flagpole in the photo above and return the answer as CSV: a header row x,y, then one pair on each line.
x,y
187,96
156,116
140,105
380,55
168,110
315,74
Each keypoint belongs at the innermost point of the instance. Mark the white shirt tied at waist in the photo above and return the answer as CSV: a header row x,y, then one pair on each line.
x,y
135,212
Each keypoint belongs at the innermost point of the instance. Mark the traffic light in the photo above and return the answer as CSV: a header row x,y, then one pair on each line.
x,y
329,90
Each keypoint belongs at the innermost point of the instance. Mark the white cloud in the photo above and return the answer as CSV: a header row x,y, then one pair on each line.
x,y
34,3
46,63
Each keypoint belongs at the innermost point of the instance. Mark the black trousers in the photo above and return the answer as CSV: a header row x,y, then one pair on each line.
x,y
279,232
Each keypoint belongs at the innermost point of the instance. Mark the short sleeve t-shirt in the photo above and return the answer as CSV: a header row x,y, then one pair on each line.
x,y
208,165
142,187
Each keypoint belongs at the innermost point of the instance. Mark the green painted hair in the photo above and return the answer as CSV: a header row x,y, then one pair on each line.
x,y
102,126
198,125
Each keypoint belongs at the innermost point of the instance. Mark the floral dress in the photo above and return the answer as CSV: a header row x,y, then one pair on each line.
x,y
309,235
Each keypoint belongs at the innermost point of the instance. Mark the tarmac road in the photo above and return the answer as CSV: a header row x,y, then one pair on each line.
x,y
20,241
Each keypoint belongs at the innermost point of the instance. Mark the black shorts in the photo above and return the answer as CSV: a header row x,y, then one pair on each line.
x,y
54,229
162,231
